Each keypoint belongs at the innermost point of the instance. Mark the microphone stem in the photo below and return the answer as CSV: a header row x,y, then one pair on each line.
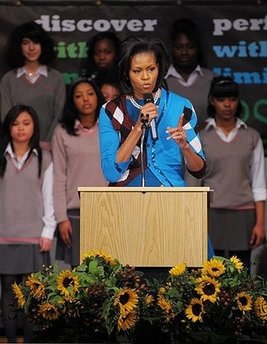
x,y
143,183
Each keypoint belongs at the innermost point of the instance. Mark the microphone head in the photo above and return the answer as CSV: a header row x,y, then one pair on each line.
x,y
148,98
187,115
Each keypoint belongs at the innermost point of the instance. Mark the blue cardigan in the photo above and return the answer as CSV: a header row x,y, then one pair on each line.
x,y
164,159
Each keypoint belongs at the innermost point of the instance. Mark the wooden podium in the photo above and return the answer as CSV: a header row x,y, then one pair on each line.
x,y
146,226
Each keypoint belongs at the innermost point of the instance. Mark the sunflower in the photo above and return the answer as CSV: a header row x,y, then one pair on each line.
x,y
127,321
162,290
166,306
244,301
149,299
106,257
37,289
195,310
208,288
126,299
48,311
18,295
260,307
178,270
237,263
67,283
213,268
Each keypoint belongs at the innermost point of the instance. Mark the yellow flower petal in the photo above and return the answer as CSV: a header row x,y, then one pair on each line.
x,y
48,311
126,299
195,310
67,283
127,321
237,263
178,270
260,307
208,288
244,301
213,268
18,295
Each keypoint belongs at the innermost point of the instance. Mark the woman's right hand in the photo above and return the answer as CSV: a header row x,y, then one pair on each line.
x,y
65,231
147,112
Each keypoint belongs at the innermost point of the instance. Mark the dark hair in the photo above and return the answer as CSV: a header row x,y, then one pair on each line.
x,y
70,113
223,87
187,27
14,57
109,77
9,119
134,45
89,66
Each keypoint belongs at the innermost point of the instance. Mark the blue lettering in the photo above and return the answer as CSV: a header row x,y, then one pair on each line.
x,y
243,50
225,50
243,77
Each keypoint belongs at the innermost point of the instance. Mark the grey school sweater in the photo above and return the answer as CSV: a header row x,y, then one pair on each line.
x,y
46,96
76,163
228,167
21,204
197,93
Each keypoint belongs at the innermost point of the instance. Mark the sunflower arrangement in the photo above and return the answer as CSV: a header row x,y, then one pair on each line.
x,y
101,298
219,303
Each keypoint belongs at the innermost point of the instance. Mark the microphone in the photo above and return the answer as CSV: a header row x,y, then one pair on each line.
x,y
187,115
148,98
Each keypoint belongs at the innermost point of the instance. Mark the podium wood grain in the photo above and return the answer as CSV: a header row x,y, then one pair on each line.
x,y
145,227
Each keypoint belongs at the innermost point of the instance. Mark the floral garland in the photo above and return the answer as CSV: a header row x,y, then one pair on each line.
x,y
103,298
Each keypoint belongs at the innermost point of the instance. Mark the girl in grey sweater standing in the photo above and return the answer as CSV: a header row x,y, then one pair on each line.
x,y
75,149
27,221
235,171
31,80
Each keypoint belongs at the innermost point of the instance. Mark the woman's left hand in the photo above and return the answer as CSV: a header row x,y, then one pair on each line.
x,y
258,236
178,134
45,244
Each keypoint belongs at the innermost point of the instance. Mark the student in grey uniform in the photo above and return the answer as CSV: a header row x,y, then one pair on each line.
x,y
75,149
31,80
27,220
235,171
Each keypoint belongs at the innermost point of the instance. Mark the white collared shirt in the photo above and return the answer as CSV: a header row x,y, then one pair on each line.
x,y
42,70
257,160
191,79
231,135
49,219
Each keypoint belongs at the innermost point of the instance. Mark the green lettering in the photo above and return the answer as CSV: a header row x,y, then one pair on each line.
x,y
61,50
72,51
257,110
245,112
69,78
82,49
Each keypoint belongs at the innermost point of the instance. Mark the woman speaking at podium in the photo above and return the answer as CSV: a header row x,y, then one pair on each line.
x,y
147,135
166,120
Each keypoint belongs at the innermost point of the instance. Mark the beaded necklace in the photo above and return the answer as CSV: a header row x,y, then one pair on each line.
x,y
138,106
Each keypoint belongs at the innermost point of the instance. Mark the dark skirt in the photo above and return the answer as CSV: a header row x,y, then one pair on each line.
x,y
23,259
70,255
231,230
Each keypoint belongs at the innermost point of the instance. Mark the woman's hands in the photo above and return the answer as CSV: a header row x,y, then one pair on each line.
x,y
147,112
257,236
258,231
45,244
193,161
65,231
178,134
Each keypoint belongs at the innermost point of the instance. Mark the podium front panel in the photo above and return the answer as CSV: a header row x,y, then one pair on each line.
x,y
145,227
